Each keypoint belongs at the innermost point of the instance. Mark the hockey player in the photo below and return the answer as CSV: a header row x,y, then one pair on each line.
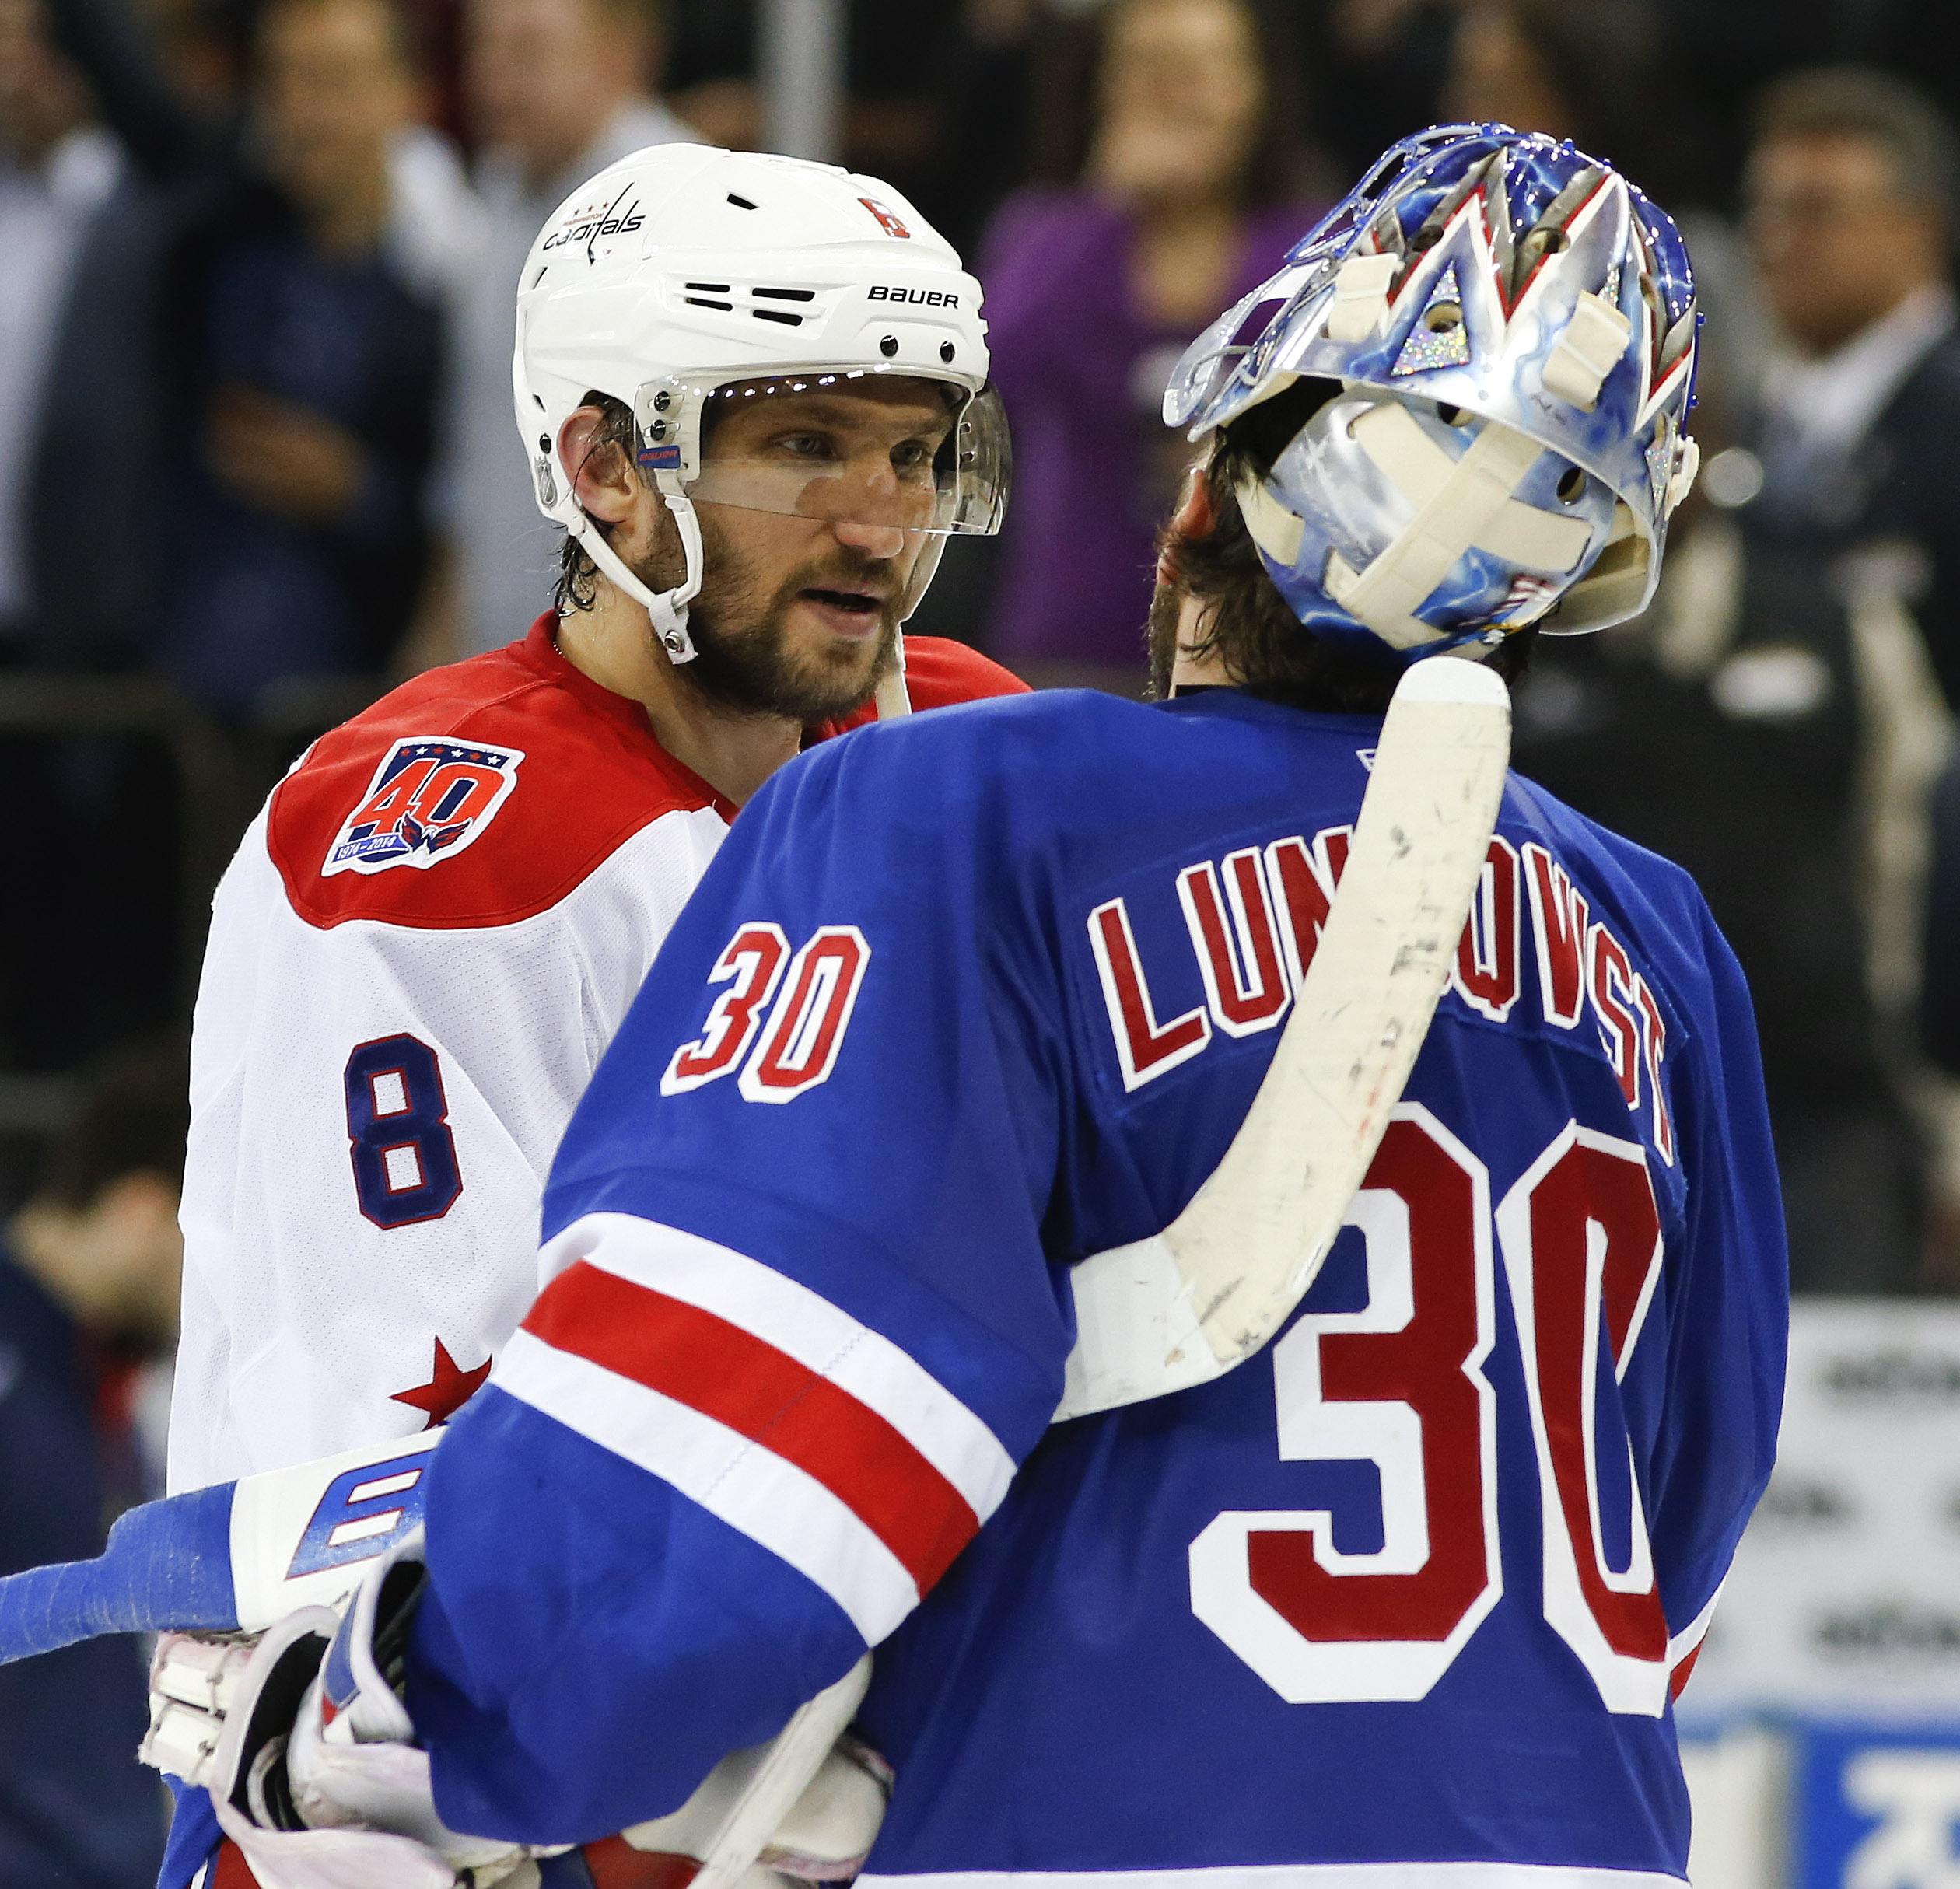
x,y
440,919
957,1006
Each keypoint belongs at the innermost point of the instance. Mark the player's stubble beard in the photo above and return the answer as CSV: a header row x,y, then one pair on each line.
x,y
743,662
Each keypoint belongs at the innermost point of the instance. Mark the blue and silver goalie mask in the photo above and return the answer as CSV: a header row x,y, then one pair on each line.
x,y
1512,327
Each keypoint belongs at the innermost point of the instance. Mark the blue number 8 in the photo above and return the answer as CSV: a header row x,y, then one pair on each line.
x,y
398,1118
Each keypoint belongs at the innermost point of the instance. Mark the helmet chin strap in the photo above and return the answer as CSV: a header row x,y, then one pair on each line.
x,y
891,696
667,610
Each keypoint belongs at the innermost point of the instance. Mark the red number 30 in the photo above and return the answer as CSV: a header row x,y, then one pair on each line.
x,y
803,1032
1401,1384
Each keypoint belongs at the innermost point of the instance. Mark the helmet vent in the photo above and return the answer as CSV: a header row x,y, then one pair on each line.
x,y
786,294
704,302
740,203
776,314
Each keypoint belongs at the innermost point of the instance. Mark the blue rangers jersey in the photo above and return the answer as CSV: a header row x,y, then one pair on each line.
x,y
953,1008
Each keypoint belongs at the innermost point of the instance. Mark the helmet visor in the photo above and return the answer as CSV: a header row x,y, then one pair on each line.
x,y
898,451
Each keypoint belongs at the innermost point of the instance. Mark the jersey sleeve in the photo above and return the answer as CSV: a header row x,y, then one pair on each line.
x,y
1728,1328
801,1328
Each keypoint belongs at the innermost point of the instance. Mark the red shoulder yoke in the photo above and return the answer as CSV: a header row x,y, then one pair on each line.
x,y
476,795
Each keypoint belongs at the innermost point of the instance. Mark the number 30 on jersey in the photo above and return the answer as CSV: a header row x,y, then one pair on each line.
x,y
781,1018
1400,1384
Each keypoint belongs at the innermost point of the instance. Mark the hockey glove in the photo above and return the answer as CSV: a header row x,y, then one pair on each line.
x,y
304,1743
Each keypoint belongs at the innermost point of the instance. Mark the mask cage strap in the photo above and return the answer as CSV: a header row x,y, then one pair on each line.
x,y
1458,505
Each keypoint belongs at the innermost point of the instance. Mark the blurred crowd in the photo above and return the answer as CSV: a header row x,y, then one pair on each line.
x,y
256,260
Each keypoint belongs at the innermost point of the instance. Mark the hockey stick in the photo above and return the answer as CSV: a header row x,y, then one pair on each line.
x,y
1168,1313
239,1557
1160,1315
1183,1307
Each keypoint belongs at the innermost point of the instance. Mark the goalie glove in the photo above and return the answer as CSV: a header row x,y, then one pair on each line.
x,y
302,1740
307,1751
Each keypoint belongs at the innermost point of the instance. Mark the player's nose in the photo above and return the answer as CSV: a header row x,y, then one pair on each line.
x,y
873,540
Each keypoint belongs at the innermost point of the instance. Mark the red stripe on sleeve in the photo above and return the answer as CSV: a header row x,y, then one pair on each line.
x,y
728,1374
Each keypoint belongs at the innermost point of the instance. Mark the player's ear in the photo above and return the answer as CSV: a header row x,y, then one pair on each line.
x,y
1194,515
1192,519
602,475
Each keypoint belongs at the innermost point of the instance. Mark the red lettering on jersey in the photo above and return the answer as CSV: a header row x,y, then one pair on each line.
x,y
1244,981
1305,880
395,797
1485,974
754,959
1559,914
1431,1363
1655,1036
1144,1048
805,1029
1619,1028
1595,1256
459,791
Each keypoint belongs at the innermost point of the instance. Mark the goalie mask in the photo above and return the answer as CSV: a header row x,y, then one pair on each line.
x,y
687,282
1508,330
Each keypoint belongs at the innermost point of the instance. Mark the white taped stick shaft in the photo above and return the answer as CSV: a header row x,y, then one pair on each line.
x,y
891,696
1182,1308
784,1775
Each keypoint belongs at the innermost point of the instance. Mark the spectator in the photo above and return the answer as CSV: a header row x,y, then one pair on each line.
x,y
1177,184
59,173
308,358
1572,68
88,1273
1759,730
79,246
1850,191
557,89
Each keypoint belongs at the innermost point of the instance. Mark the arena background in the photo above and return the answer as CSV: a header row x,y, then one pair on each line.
x,y
254,469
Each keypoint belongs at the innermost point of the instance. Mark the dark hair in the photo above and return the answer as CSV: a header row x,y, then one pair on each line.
x,y
134,1118
1265,649
575,586
1281,166
1853,101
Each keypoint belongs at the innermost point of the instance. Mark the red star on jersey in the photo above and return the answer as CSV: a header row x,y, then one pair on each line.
x,y
448,1389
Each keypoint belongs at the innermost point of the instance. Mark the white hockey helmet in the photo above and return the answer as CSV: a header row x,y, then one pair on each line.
x,y
683,273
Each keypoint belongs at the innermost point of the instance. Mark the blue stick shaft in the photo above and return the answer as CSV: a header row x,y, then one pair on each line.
x,y
167,1565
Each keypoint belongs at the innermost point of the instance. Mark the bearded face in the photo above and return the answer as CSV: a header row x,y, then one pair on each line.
x,y
758,650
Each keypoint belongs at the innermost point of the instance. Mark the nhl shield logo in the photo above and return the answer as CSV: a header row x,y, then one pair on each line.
x,y
430,797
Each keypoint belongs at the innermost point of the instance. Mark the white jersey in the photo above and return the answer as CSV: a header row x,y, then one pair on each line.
x,y
428,936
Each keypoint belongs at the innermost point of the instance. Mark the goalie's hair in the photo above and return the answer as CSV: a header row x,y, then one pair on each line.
x,y
1265,647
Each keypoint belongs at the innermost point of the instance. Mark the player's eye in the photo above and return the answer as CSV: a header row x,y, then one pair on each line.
x,y
912,456
806,445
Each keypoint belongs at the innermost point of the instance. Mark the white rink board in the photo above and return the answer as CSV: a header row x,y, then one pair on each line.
x,y
1845,1596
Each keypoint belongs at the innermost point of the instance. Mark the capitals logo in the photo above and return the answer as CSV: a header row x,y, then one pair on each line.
x,y
429,798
